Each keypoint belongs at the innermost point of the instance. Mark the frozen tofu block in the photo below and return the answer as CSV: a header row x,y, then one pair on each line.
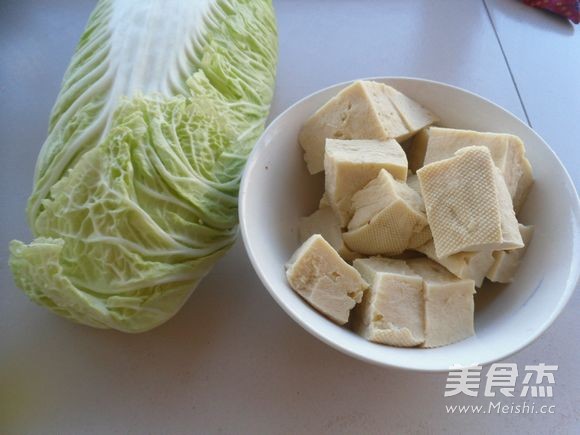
x,y
468,205
363,110
466,265
391,311
415,117
507,152
448,303
350,164
524,185
380,193
325,222
318,274
389,217
425,235
506,262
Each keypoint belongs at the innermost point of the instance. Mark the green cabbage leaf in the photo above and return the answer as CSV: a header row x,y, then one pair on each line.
x,y
135,190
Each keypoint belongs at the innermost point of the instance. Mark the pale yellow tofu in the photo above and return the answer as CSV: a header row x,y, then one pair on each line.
x,y
391,311
414,116
363,110
506,263
350,164
325,222
389,217
449,305
425,235
468,205
466,265
507,152
421,237
379,193
524,185
318,274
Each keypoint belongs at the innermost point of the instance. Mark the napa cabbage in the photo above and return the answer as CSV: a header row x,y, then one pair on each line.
x,y
135,188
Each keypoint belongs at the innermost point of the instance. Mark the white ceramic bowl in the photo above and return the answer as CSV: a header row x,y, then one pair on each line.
x,y
277,190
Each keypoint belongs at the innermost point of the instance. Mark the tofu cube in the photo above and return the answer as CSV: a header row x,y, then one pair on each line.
x,y
506,263
466,265
414,116
449,305
362,110
507,152
350,164
468,205
425,235
325,222
318,274
389,217
524,185
391,311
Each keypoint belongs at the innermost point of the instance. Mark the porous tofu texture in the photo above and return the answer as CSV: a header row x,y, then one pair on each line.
x,y
449,305
318,274
362,110
507,152
468,205
391,311
325,222
506,263
350,164
389,217
467,265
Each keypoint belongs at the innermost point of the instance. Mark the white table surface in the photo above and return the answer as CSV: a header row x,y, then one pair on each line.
x,y
231,361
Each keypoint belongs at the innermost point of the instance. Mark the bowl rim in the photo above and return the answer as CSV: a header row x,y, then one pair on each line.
x,y
573,274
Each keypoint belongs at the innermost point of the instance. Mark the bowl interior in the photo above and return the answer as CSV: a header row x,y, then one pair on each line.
x,y
277,190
